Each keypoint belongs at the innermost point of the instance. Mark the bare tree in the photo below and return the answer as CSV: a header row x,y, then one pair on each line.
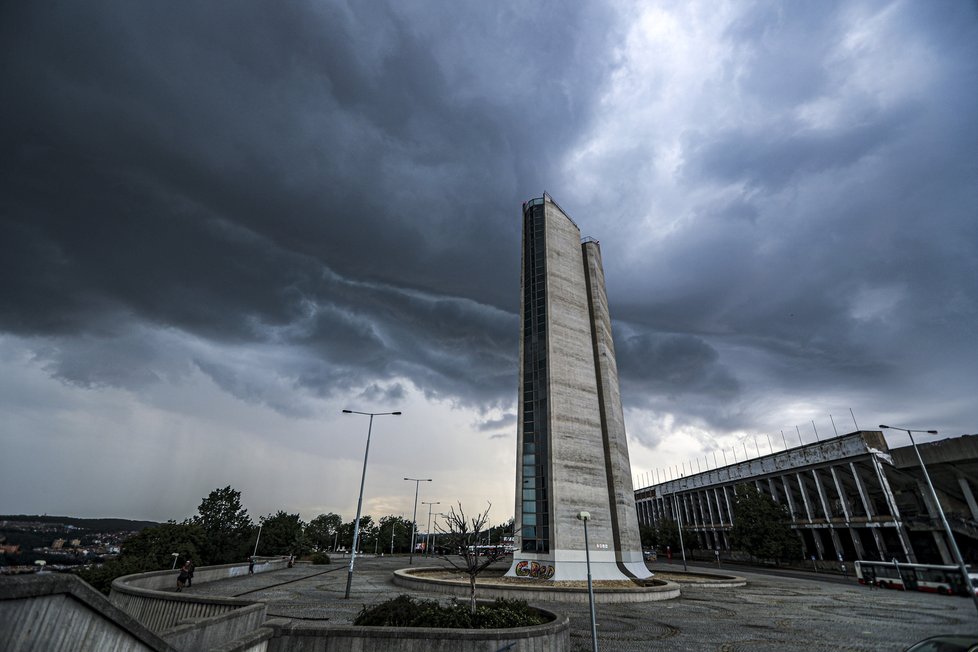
x,y
462,536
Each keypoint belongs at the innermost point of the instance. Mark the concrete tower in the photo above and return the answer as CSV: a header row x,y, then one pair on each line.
x,y
572,454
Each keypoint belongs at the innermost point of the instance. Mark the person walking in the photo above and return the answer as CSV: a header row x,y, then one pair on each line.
x,y
251,565
190,573
183,576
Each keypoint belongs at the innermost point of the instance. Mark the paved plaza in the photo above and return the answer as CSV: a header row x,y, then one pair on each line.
x,y
770,613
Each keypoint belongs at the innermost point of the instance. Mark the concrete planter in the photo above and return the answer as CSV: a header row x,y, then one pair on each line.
x,y
549,637
414,578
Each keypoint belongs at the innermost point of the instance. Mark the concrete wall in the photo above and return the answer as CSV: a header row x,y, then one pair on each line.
x,y
550,637
53,612
194,622
628,544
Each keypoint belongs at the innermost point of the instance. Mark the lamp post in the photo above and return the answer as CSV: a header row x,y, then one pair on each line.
x,y
363,477
175,555
679,525
585,517
255,553
414,521
428,529
940,511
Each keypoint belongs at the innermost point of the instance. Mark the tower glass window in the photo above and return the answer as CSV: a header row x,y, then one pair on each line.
x,y
535,515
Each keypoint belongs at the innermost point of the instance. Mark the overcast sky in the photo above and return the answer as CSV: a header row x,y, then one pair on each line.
x,y
222,223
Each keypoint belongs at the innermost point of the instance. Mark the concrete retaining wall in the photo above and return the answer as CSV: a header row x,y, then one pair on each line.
x,y
54,612
188,621
550,637
415,579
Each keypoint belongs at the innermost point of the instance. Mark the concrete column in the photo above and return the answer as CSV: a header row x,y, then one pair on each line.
x,y
863,495
788,496
932,512
773,489
819,546
716,501
726,498
804,496
720,508
946,557
857,542
968,496
709,507
820,490
843,498
894,511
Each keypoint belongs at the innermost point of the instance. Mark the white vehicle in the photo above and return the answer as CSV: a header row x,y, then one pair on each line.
x,y
915,577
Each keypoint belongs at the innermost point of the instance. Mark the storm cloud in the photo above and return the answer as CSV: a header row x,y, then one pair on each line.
x,y
301,205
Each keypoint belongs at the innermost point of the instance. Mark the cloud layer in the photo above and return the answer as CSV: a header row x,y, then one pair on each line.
x,y
301,207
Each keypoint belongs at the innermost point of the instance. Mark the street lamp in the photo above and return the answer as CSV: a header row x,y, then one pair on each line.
x,y
414,521
174,555
428,529
257,539
940,510
679,525
585,517
363,478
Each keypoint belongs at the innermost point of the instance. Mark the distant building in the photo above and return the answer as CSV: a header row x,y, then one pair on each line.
x,y
850,497
58,544
572,453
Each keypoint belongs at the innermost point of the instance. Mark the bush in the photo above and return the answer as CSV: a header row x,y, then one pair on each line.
x,y
319,558
403,611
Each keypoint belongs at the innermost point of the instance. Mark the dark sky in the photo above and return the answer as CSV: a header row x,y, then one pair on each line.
x,y
221,223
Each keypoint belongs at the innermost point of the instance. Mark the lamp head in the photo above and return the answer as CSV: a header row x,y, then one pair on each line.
x,y
397,414
882,427
584,516
347,411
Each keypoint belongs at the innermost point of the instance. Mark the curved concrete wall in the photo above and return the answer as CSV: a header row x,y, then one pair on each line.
x,y
414,578
185,620
550,637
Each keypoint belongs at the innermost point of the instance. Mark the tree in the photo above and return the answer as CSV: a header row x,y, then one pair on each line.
x,y
464,536
401,531
346,532
150,550
156,545
666,534
647,536
226,525
321,531
283,534
761,526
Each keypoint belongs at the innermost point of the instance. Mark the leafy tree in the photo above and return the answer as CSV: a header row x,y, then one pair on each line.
x,y
667,534
464,535
647,535
149,550
226,525
761,526
283,534
346,532
157,544
321,531
401,530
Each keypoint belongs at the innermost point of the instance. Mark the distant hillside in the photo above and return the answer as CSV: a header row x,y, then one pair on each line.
x,y
92,524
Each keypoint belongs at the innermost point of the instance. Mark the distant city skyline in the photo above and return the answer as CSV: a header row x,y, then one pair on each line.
x,y
223,225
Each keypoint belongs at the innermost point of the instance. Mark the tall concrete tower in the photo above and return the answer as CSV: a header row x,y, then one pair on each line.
x,y
572,454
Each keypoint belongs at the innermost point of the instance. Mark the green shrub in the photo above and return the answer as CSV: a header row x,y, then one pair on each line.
x,y
319,558
403,611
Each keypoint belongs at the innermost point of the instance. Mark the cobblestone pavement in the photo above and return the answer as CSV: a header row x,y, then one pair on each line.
x,y
770,613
